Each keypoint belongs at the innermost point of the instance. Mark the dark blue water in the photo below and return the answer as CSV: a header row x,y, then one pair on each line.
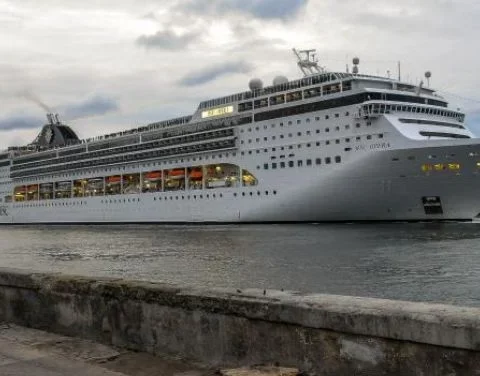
x,y
423,262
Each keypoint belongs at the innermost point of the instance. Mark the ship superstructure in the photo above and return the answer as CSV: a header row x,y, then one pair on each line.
x,y
331,146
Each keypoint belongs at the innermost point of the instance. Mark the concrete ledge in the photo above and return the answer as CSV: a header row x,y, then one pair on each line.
x,y
232,327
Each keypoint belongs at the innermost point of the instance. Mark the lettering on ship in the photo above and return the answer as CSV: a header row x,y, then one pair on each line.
x,y
3,211
217,112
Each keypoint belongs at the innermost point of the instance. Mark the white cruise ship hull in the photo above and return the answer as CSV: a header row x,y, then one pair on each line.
x,y
370,188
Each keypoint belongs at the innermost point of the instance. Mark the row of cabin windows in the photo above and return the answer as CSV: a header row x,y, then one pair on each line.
x,y
300,163
299,134
310,144
298,121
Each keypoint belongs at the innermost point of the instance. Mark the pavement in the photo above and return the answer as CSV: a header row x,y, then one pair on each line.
x,y
25,352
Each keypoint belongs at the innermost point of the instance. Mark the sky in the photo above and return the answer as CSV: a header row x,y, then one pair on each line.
x,y
107,65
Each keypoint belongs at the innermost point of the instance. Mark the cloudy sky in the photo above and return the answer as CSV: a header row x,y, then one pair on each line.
x,y
108,65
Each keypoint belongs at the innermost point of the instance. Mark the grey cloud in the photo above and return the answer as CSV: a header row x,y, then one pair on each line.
x,y
16,122
263,9
97,105
270,9
209,74
166,40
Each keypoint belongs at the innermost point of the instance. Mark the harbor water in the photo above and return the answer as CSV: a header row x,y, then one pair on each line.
x,y
437,262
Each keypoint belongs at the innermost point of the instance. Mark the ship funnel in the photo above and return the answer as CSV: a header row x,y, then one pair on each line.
x,y
50,119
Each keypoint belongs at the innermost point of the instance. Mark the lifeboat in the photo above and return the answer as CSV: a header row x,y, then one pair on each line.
x,y
196,174
32,188
153,175
113,179
21,189
177,173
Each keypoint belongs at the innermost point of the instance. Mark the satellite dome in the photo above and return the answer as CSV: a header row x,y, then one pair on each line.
x,y
428,74
255,84
356,61
280,80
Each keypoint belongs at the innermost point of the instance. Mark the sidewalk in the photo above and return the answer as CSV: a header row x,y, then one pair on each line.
x,y
25,352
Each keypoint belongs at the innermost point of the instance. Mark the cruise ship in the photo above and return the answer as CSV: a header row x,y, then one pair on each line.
x,y
330,146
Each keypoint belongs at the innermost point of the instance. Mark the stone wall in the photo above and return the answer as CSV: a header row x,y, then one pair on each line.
x,y
319,334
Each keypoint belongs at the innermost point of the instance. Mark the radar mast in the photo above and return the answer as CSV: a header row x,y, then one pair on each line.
x,y
307,62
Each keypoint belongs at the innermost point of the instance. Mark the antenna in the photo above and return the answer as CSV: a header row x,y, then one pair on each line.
x,y
428,75
399,72
307,62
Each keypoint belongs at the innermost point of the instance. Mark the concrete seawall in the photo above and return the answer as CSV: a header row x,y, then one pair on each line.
x,y
319,334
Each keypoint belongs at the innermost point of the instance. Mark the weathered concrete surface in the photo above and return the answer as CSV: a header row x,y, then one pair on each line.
x,y
319,334
31,352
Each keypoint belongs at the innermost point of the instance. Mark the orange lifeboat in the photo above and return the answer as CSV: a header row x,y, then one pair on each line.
x,y
21,189
32,188
153,175
196,174
114,179
178,172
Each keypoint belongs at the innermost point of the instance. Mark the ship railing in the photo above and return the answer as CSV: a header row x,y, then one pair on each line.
x,y
375,109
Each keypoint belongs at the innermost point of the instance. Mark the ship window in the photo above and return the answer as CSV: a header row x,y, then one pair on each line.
x,y
369,137
309,162
265,166
318,161
317,131
290,164
282,164
347,140
317,118
337,115
300,163
299,121
299,133
308,120
380,135
357,125
338,159
327,142
337,141
337,129
265,139
347,149
347,113
347,126
328,160
327,129
274,166
289,123
327,117
358,138
318,143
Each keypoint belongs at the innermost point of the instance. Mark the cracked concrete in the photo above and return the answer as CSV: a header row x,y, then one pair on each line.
x,y
25,352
